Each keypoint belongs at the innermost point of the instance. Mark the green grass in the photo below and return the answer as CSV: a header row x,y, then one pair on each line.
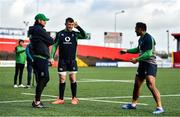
x,y
168,82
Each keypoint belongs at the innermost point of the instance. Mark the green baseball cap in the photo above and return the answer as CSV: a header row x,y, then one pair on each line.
x,y
41,16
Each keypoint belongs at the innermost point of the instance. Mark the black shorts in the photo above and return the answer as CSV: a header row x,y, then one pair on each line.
x,y
67,65
145,69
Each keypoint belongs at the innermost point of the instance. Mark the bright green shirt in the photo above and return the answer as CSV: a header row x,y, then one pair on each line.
x,y
20,54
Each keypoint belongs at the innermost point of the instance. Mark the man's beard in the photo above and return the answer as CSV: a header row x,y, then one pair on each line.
x,y
138,34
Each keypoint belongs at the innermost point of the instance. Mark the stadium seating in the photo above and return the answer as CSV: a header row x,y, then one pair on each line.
x,y
104,52
87,55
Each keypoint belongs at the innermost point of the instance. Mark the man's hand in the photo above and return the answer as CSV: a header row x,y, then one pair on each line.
x,y
75,25
134,60
123,51
51,61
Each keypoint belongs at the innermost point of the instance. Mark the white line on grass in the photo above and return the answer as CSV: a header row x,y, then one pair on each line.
x,y
98,80
94,99
1,102
108,101
125,97
97,99
88,99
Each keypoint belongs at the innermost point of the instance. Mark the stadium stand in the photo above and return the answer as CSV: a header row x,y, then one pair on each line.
x,y
176,59
87,55
8,45
103,52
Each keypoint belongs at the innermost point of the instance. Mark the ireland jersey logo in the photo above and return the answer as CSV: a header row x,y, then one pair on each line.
x,y
67,40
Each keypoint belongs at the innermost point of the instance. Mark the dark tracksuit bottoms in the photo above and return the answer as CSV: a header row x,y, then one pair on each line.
x,y
42,70
30,68
18,70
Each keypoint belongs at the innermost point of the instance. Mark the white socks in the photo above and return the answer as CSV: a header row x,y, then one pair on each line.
x,y
133,104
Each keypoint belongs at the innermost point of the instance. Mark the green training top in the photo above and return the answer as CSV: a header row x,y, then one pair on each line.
x,y
20,54
146,49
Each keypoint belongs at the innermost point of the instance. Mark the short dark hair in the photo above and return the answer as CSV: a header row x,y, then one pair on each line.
x,y
141,25
20,40
69,19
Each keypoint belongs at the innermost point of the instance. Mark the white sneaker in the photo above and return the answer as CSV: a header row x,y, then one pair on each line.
x,y
158,111
15,86
22,86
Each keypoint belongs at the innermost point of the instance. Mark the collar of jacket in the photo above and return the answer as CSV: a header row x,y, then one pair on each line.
x,y
38,24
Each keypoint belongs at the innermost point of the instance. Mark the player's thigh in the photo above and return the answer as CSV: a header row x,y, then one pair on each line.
x,y
138,81
62,76
72,76
150,79
141,71
62,70
41,66
17,68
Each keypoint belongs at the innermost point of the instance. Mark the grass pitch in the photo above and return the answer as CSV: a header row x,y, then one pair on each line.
x,y
101,92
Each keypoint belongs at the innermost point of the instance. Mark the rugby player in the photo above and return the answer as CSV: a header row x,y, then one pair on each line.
x,y
147,67
66,40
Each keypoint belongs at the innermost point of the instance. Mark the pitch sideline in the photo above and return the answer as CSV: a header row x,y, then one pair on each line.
x,y
93,99
99,80
67,98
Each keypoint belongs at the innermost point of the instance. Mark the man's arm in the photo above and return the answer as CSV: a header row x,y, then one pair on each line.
x,y
81,34
45,36
149,42
145,55
132,50
54,46
28,52
19,50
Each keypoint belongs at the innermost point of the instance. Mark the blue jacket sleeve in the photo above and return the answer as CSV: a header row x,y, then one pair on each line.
x,y
28,53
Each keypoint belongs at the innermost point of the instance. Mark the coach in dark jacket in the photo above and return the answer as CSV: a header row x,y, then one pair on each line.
x,y
40,41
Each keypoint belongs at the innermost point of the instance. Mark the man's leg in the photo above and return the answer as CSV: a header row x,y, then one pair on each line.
x,y
72,77
35,75
150,81
20,75
40,87
42,79
29,70
62,71
136,91
16,75
151,84
62,85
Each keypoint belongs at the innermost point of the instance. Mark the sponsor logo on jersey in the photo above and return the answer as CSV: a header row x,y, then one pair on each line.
x,y
67,40
60,69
